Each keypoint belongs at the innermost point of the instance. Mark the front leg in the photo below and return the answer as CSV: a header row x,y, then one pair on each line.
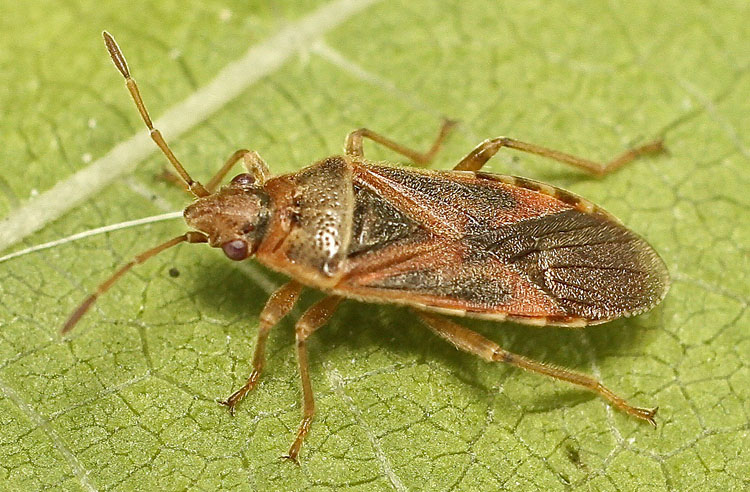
x,y
254,164
277,306
311,320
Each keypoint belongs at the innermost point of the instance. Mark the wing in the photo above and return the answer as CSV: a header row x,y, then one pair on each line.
x,y
494,246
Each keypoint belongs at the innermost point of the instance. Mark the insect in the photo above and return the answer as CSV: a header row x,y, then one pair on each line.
x,y
459,243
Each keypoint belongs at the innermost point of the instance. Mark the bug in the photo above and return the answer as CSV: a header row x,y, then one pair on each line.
x,y
460,243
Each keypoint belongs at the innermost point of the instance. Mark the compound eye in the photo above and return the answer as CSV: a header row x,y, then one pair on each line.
x,y
236,250
244,180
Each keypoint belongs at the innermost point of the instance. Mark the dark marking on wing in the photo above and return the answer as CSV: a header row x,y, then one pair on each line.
x,y
376,223
476,289
432,272
529,184
563,196
488,201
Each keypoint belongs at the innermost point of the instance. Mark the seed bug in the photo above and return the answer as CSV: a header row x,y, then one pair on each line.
x,y
459,243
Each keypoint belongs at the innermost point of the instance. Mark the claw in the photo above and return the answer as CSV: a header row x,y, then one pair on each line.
x,y
228,403
645,414
293,459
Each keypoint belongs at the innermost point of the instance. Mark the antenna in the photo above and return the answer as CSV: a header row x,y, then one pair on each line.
x,y
188,237
194,187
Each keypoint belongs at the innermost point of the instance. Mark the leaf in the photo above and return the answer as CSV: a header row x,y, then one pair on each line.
x,y
129,401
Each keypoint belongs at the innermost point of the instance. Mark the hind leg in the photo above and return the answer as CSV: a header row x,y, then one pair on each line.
x,y
474,343
484,151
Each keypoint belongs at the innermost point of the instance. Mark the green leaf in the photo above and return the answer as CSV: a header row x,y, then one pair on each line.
x,y
129,401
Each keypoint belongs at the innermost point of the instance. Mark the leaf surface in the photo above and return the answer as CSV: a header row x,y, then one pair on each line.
x,y
129,400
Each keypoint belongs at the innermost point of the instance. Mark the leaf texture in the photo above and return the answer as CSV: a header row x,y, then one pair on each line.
x,y
130,400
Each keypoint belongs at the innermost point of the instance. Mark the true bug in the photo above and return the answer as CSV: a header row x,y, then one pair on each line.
x,y
460,242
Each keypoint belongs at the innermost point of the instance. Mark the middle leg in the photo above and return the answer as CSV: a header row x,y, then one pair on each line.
x,y
354,144
311,320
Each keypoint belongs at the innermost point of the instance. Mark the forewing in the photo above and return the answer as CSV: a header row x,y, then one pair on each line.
x,y
494,246
592,267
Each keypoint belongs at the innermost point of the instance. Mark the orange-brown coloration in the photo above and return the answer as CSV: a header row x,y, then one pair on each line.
x,y
458,242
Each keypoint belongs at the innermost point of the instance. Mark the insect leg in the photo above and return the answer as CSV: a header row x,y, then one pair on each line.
x,y
354,147
277,306
195,187
189,237
484,151
254,164
310,321
472,342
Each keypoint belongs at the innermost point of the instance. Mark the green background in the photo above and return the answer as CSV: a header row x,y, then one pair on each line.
x,y
129,401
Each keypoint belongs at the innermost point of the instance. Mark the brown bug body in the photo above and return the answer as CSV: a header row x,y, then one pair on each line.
x,y
458,242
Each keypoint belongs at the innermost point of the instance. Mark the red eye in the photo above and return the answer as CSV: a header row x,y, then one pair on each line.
x,y
235,250
244,180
